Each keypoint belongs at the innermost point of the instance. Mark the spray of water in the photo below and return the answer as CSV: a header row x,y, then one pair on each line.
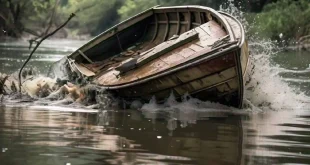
x,y
266,90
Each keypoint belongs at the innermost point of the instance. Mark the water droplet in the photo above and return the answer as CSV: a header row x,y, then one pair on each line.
x,y
159,137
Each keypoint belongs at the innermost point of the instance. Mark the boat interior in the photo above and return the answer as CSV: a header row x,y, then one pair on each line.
x,y
157,39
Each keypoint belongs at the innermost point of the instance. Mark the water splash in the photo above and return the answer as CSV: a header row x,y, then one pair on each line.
x,y
41,90
186,112
266,90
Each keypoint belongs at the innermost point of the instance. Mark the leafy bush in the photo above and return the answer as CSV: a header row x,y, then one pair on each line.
x,y
286,18
92,16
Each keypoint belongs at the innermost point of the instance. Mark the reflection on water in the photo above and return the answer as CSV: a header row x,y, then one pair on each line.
x,y
13,54
40,136
278,137
115,137
198,135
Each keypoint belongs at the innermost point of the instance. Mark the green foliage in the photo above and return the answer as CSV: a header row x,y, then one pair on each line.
x,y
16,15
132,7
92,16
287,17
37,12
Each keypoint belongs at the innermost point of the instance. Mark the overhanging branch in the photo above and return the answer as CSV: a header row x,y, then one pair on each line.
x,y
37,45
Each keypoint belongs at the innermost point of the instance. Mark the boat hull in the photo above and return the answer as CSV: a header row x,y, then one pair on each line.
x,y
181,50
217,79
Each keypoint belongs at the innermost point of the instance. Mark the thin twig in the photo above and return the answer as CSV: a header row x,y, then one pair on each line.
x,y
35,48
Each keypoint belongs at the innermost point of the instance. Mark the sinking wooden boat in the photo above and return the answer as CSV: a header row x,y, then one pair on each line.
x,y
182,50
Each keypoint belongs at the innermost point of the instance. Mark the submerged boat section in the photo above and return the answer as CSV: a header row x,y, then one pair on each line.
x,y
182,50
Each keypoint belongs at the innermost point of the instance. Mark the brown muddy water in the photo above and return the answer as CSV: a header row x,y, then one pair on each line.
x,y
274,128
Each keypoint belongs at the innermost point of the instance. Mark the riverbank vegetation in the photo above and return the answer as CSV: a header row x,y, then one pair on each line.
x,y
284,20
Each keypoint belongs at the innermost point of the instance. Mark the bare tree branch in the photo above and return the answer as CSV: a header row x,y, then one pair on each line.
x,y
38,44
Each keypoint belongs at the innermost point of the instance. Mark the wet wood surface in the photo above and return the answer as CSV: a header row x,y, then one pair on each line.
x,y
172,38
208,34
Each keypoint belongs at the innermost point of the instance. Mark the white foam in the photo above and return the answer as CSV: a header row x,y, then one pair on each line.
x,y
266,90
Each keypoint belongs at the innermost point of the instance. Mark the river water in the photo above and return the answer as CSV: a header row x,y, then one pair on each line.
x,y
273,129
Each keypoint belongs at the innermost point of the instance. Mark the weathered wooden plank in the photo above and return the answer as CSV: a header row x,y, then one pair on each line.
x,y
233,84
160,34
196,47
167,28
170,56
113,30
167,47
179,23
150,87
156,27
155,66
218,64
191,74
186,52
140,90
234,25
206,82
244,57
172,31
223,88
167,82
84,70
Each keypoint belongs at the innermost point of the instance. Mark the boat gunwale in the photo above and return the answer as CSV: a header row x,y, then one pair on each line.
x,y
194,61
240,43
214,12
147,13
113,28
